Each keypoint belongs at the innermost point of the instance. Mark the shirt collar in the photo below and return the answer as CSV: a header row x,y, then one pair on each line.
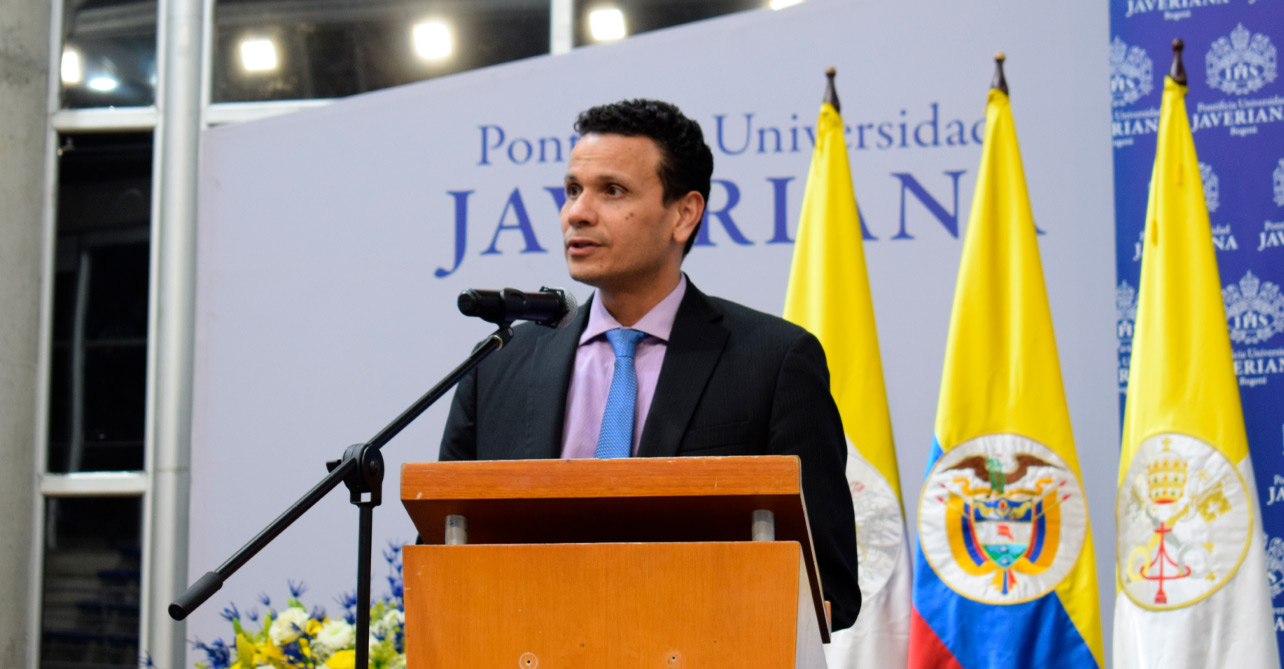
x,y
658,322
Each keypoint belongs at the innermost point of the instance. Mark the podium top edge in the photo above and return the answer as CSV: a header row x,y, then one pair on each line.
x,y
593,478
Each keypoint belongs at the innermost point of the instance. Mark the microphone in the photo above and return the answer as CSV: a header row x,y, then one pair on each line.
x,y
550,307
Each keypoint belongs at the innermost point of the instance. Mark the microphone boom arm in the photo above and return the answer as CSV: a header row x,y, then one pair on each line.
x,y
361,469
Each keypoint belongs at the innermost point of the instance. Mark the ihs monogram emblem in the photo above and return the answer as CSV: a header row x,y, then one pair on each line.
x,y
1275,566
1125,310
1131,73
1254,309
1241,64
1212,187
1183,523
1277,178
1002,519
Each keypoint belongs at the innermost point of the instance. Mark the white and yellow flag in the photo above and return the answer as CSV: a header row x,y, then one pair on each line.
x,y
829,296
1190,566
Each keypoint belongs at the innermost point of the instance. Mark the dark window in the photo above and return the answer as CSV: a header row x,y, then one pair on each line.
x,y
109,57
97,402
646,15
89,616
303,49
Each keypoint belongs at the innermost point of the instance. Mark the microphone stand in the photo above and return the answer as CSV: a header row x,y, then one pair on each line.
x,y
361,469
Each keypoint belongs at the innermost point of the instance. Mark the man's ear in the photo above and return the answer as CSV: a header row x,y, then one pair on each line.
x,y
690,208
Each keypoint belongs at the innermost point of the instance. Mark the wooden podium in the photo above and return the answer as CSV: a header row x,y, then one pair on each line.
x,y
634,562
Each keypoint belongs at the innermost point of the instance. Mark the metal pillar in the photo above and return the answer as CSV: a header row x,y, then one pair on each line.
x,y
180,54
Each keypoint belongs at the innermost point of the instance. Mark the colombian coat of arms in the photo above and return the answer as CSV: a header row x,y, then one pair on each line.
x,y
1002,519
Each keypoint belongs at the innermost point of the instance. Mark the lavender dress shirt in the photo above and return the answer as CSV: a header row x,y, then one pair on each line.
x,y
595,363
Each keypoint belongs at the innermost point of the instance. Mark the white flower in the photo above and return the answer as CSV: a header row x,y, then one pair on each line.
x,y
381,628
335,635
288,626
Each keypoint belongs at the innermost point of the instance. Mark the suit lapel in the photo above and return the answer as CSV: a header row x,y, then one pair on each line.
x,y
695,344
552,363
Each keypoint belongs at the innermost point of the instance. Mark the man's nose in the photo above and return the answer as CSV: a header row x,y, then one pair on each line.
x,y
580,211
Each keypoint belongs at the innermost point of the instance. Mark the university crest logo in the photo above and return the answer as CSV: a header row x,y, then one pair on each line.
x,y
1277,177
1275,566
1183,523
1131,73
1125,310
1212,187
1241,63
880,529
1002,519
1254,309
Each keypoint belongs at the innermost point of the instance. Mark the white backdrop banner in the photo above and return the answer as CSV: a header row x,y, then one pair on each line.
x,y
333,241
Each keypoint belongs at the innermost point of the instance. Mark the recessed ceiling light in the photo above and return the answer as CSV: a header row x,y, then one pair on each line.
x,y
607,24
71,71
258,55
104,83
781,4
434,40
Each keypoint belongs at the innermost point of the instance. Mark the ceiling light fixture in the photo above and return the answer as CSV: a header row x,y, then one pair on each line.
x,y
71,70
781,4
607,24
104,84
434,40
258,55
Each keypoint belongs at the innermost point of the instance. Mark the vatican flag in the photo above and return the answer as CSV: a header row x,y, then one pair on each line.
x,y
1190,566
1004,574
829,295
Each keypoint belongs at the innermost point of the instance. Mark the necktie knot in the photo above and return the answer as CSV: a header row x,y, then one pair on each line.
x,y
624,341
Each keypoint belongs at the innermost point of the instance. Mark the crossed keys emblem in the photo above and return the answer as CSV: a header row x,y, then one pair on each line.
x,y
1165,556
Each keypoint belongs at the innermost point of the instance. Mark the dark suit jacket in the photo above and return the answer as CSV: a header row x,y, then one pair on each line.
x,y
734,382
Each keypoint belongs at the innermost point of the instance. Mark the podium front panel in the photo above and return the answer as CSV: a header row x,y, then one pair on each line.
x,y
620,605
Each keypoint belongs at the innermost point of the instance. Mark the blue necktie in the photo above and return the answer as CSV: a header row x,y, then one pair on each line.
x,y
615,439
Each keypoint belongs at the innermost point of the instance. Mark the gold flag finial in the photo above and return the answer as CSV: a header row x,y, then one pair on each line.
x,y
831,95
1000,82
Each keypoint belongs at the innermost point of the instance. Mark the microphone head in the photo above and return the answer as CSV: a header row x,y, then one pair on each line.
x,y
568,300
484,304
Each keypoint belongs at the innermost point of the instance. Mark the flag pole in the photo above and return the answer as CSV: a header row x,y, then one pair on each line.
x,y
1178,70
831,95
999,82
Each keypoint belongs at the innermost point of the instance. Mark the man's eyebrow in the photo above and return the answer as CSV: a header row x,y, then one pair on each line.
x,y
605,177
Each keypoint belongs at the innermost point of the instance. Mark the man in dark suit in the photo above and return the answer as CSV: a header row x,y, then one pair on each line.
x,y
652,367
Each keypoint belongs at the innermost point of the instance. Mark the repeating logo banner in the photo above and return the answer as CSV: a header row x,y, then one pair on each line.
x,y
1236,107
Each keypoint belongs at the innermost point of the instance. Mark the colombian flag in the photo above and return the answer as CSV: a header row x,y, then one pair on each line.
x,y
1004,569
1191,573
829,295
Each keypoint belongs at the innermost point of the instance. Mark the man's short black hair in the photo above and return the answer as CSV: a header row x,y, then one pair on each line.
x,y
686,162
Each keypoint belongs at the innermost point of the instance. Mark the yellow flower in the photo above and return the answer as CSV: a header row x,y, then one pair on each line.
x,y
344,659
250,654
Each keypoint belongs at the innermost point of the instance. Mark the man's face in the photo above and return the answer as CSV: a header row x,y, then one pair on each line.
x,y
617,232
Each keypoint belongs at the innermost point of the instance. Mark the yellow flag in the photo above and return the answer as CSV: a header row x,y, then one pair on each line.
x,y
1190,566
829,295
1004,537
